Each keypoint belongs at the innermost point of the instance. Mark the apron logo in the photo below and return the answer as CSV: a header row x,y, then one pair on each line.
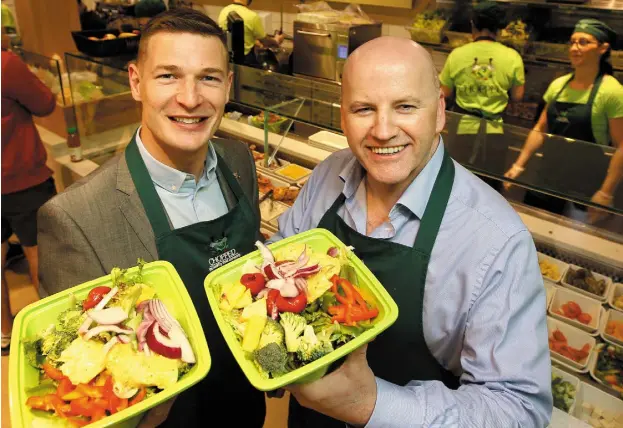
x,y
219,246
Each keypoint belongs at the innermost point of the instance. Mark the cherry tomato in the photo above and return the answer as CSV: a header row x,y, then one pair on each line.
x,y
585,318
254,282
94,297
291,304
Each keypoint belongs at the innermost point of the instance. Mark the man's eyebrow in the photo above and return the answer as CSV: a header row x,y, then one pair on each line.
x,y
175,68
409,100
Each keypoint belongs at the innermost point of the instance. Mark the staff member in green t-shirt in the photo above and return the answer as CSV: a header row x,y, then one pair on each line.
x,y
584,105
483,75
254,33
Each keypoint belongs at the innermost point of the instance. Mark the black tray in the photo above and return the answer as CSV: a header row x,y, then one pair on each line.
x,y
104,48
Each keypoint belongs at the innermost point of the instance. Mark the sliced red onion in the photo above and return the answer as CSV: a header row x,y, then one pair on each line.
x,y
178,336
301,284
307,271
272,272
141,331
162,316
162,345
103,328
141,306
262,294
102,303
276,284
123,338
289,289
84,327
303,258
146,351
112,342
333,252
108,316
267,255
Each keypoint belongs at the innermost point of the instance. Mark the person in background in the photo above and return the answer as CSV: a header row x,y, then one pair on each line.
x,y
254,33
89,20
483,76
27,182
451,251
8,21
586,105
176,194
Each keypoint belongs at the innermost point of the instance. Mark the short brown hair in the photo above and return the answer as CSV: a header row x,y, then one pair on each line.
x,y
181,20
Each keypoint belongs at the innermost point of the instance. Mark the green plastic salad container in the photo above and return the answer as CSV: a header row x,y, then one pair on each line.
x,y
319,240
34,318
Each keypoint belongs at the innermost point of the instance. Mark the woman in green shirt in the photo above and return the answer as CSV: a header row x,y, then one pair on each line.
x,y
585,105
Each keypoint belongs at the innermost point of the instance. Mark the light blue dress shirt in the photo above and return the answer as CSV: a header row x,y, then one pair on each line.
x,y
185,200
484,300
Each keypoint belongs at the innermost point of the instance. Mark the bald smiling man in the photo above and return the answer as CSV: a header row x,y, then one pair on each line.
x,y
469,348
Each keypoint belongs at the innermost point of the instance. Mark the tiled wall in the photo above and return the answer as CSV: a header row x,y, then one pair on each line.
x,y
288,19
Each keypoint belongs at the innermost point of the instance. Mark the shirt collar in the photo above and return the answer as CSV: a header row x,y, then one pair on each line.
x,y
415,198
170,178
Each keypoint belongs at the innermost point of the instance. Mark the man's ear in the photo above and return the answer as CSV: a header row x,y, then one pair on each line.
x,y
441,113
135,80
230,79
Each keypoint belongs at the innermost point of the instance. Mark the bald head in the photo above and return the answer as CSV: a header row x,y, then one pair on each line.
x,y
393,52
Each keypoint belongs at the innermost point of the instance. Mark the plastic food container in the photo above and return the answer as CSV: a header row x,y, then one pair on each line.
x,y
611,315
275,164
31,320
270,209
292,173
276,182
426,35
105,48
593,365
562,267
319,240
276,126
598,402
573,380
616,291
576,338
550,290
602,298
588,305
329,141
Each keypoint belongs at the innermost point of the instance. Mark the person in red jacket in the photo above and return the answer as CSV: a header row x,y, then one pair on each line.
x,y
26,180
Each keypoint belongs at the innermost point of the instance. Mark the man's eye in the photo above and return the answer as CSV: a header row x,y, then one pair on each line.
x,y
406,108
210,79
362,110
165,76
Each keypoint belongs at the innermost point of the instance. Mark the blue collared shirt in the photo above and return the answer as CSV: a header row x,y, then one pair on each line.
x,y
185,200
484,300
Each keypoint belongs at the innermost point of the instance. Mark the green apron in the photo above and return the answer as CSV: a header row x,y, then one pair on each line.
x,y
195,251
399,354
577,171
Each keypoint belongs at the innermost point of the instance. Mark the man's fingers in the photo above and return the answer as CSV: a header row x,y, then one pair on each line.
x,y
157,415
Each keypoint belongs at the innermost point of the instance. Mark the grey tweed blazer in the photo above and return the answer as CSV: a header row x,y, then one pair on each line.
x,y
99,222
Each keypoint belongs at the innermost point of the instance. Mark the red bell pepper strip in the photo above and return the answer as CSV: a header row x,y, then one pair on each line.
x,y
52,372
64,387
140,395
353,307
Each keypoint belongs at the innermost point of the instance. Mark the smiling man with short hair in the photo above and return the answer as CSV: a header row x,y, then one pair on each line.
x,y
176,194
469,348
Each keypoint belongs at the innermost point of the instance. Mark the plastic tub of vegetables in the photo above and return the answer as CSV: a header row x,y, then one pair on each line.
x,y
564,389
289,310
106,351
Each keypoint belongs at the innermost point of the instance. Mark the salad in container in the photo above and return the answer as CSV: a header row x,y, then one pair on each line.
x,y
291,309
106,351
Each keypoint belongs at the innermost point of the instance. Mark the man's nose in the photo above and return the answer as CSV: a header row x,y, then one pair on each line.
x,y
188,95
384,127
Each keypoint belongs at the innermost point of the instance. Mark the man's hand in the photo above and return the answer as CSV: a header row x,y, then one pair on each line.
x,y
601,198
348,394
512,173
157,415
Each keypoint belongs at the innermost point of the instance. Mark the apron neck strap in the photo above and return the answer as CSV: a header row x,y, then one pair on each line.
x,y
591,98
146,189
436,206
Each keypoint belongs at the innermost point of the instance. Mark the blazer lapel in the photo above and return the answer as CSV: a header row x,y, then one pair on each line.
x,y
132,208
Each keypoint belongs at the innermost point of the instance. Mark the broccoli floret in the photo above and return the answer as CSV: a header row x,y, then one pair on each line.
x,y
272,358
32,352
182,369
311,347
293,326
54,342
233,318
70,320
272,333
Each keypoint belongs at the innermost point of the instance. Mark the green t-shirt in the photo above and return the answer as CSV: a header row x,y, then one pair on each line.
x,y
608,103
481,74
253,28
7,17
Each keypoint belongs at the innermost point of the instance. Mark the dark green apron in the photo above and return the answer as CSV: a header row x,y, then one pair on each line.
x,y
399,354
575,171
195,250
